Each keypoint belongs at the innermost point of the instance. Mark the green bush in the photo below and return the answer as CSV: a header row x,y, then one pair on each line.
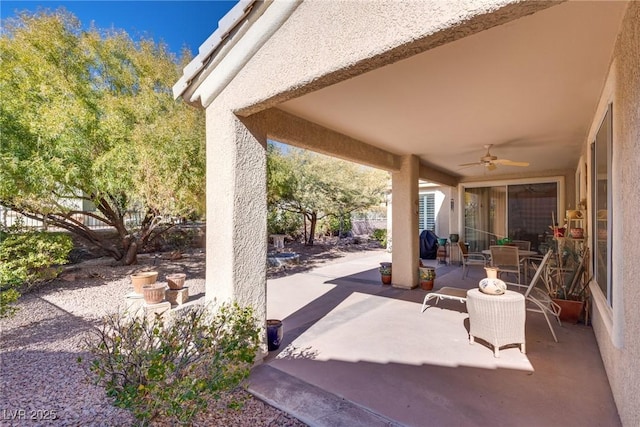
x,y
331,225
380,234
28,259
283,222
171,369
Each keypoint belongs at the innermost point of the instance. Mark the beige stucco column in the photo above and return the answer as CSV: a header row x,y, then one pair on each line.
x,y
405,252
236,211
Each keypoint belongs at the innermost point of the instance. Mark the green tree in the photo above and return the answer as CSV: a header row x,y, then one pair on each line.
x,y
317,186
89,114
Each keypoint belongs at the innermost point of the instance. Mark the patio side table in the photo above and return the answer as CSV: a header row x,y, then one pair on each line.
x,y
497,319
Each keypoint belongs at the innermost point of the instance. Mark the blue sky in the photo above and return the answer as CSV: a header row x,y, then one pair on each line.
x,y
177,23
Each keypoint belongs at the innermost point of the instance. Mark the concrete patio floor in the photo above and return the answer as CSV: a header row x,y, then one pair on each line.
x,y
357,352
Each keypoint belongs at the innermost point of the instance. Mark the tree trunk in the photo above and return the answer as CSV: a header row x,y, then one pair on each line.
x,y
131,257
313,219
304,221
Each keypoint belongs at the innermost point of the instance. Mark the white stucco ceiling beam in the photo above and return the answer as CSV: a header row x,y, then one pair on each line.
x,y
427,173
292,130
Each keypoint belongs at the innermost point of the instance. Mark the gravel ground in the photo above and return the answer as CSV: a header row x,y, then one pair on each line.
x,y
41,381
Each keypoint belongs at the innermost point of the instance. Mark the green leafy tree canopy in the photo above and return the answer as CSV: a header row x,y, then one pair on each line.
x,y
89,115
317,186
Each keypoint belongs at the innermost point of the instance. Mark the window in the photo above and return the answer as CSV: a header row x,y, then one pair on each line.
x,y
427,212
601,202
517,211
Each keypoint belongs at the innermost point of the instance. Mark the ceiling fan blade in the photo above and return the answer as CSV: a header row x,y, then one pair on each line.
x,y
511,162
471,164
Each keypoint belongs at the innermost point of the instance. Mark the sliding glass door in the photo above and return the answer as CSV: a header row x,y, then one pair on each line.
x,y
516,211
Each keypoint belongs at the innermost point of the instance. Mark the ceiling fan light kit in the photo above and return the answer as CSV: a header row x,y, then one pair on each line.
x,y
491,162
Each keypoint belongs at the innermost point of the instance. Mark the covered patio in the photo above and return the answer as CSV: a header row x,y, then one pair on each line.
x,y
356,352
418,89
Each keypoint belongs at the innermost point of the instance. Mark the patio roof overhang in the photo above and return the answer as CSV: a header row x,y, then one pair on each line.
x,y
530,87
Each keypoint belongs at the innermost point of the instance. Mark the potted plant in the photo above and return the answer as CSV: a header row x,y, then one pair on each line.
x,y
385,273
568,280
427,276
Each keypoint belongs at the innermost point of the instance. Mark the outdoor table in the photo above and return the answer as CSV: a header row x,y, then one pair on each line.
x,y
497,319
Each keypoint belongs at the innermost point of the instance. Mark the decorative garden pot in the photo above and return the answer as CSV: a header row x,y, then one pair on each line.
x,y
385,273
577,233
274,334
176,281
570,311
491,284
427,277
143,278
153,294
492,273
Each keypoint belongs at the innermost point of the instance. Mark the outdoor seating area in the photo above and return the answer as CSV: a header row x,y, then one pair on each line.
x,y
351,336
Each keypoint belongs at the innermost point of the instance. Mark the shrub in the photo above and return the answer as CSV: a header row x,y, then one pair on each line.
x,y
171,369
331,225
283,222
28,259
380,234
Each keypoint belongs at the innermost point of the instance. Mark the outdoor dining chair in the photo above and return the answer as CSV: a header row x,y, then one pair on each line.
x,y
506,259
470,259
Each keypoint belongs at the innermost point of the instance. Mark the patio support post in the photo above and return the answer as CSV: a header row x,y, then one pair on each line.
x,y
405,252
236,211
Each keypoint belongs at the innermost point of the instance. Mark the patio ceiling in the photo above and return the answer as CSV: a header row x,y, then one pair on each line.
x,y
529,87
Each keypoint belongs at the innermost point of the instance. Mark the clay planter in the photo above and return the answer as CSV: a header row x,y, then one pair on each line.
x,y
153,294
143,278
176,281
570,311
427,276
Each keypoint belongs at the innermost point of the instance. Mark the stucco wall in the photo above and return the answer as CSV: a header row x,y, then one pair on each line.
x,y
618,331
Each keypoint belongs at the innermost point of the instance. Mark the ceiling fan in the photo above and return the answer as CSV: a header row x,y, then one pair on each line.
x,y
491,162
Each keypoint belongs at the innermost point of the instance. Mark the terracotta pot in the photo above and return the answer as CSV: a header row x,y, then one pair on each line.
x,y
176,281
153,294
386,279
570,311
143,278
577,233
427,285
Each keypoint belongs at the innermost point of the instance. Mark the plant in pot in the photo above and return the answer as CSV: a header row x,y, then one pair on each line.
x,y
568,280
385,273
427,276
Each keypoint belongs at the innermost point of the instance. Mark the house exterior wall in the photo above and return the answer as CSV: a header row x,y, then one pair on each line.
x,y
617,330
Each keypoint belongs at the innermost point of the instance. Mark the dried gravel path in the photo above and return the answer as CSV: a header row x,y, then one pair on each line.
x,y
41,381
